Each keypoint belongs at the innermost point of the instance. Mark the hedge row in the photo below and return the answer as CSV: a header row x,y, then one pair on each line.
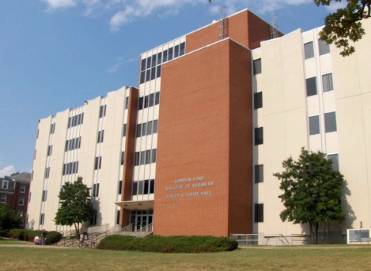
x,y
51,237
178,244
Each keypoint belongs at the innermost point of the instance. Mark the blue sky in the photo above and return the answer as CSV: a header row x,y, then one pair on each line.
x,y
55,54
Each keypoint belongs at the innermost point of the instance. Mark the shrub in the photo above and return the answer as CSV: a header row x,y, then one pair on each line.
x,y
25,234
52,237
176,244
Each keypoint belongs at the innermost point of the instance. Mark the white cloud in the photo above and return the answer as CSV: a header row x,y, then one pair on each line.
x,y
124,11
7,171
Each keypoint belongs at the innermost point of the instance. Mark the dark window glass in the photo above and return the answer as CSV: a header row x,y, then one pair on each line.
x,y
258,136
118,214
145,102
330,122
148,156
159,58
313,125
259,173
126,102
308,50
148,62
157,98
52,128
149,128
153,60
136,159
138,132
152,187
153,73
122,158
182,49
120,188
257,66
140,103
41,220
98,162
151,100
158,74
176,51
146,187
143,65
144,129
153,156
142,77
100,136
154,128
102,111
44,195
148,74
335,161
50,150
327,82
135,188
165,56
311,85
142,158
124,130
258,100
170,55
259,212
324,48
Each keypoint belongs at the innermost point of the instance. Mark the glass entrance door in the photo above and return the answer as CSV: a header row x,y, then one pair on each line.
x,y
141,220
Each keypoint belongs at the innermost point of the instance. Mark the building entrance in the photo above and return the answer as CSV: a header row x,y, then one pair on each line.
x,y
141,220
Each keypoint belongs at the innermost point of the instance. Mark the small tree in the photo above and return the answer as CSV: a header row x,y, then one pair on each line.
x,y
75,205
9,219
312,191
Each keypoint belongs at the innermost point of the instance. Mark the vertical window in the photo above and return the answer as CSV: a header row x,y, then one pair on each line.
x,y
124,130
154,127
153,73
126,102
135,188
258,100
50,150
96,190
148,62
122,158
21,201
22,188
138,132
146,101
118,217
158,73
52,128
148,157
308,50
3,198
182,49
334,158
258,135
41,220
154,60
259,173
142,157
47,172
152,186
170,55
151,99
258,212
98,162
100,136
142,76
314,125
176,51
5,185
140,103
136,159
144,129
330,122
143,65
159,58
44,195
153,156
148,75
102,111
257,66
327,82
157,98
324,48
120,188
311,85
164,56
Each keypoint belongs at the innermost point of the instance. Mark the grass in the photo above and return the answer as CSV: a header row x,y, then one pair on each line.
x,y
283,258
12,242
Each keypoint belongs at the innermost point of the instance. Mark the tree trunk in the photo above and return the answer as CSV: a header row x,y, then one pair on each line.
x,y
311,232
317,227
77,229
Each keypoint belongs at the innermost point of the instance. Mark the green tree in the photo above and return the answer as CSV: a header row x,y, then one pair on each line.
x,y
343,27
75,205
312,191
9,219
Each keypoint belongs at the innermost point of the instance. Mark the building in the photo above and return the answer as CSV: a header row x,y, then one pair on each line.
x,y
192,150
14,191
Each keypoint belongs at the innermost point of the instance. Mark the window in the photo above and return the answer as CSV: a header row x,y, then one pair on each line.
x,y
52,128
98,162
308,50
102,111
259,173
154,60
142,77
3,198
140,103
124,130
330,122
158,73
44,195
143,65
42,218
72,144
314,125
311,85
5,185
122,158
143,187
120,188
95,190
258,100
118,217
94,218
159,58
258,135
324,48
70,168
126,103
165,56
182,49
148,157
47,172
148,62
75,120
22,188
259,212
176,51
157,98
151,100
153,156
50,150
136,158
100,136
154,126
170,55
153,73
327,82
334,158
257,66
21,201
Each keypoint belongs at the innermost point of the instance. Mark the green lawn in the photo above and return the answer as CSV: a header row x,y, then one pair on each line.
x,y
293,258
10,242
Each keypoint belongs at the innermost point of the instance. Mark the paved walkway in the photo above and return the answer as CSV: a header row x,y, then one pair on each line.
x,y
31,246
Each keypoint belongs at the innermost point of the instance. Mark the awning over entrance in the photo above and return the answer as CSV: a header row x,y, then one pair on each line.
x,y
136,205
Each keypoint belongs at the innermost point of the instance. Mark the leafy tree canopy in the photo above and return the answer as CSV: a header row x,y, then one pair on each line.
x,y
312,190
343,27
9,219
75,205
